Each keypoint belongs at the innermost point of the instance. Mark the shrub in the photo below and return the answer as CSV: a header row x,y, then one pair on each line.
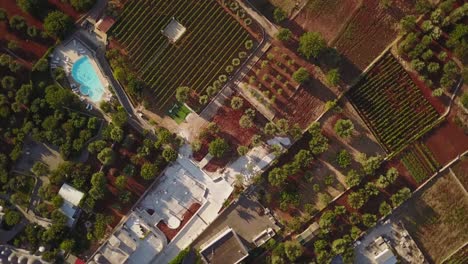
x,y
32,31
182,93
148,171
401,196
333,77
284,34
357,199
13,45
237,102
408,23
242,150
222,78
353,178
106,156
417,65
438,92
82,5
464,100
3,14
249,44
203,99
235,62
301,75
293,250
169,154
18,23
427,55
369,220
12,218
279,15
385,209
433,67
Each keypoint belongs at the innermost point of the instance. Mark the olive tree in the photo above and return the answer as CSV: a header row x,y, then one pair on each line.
x,y
311,44
58,24
218,147
344,128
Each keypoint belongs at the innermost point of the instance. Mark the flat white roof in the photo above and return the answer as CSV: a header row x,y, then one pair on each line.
x,y
386,257
71,194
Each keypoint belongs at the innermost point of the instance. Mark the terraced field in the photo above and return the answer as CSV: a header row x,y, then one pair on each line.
x,y
391,104
214,44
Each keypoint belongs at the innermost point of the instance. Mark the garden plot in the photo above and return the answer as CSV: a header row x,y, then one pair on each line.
x,y
420,162
271,83
202,44
391,104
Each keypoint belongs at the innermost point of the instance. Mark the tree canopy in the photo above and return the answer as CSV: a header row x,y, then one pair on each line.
x,y
344,128
311,44
82,5
148,171
218,147
58,24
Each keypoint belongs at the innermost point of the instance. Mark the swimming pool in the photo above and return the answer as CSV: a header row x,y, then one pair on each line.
x,y
84,73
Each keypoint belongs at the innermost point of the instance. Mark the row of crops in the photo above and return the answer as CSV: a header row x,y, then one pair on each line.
x,y
212,47
391,104
420,162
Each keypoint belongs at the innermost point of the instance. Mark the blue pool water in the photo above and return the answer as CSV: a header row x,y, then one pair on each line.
x,y
84,73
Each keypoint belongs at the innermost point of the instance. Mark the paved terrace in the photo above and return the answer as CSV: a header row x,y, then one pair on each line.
x,y
216,193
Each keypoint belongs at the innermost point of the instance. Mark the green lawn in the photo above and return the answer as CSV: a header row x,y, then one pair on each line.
x,y
179,112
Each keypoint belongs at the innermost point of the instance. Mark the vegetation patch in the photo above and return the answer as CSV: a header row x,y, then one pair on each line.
x,y
202,57
391,103
420,162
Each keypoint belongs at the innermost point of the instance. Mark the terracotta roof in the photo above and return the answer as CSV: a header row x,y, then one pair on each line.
x,y
105,24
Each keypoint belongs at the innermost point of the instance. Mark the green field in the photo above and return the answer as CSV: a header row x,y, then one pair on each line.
x,y
391,104
213,40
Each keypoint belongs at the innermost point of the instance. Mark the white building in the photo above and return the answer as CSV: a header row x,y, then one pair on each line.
x,y
71,200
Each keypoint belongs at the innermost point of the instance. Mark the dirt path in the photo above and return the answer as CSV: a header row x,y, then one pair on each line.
x,y
269,28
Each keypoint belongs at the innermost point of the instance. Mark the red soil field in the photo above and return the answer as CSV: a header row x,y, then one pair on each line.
x,y
370,31
328,17
171,233
299,104
447,141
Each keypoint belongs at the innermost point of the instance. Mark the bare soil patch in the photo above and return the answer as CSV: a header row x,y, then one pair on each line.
x,y
326,16
447,141
370,30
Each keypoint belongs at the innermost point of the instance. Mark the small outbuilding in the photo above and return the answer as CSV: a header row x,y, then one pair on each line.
x,y
174,30
71,200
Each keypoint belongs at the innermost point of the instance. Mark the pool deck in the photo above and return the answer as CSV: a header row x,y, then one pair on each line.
x,y
66,54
